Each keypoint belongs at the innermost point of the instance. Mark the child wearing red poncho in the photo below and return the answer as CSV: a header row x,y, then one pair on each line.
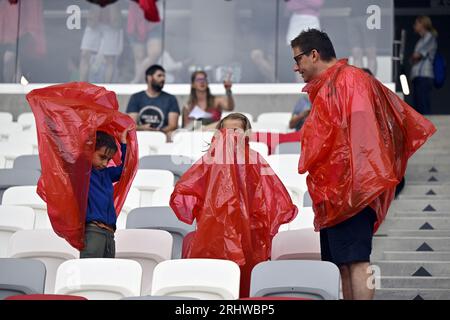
x,y
69,119
236,199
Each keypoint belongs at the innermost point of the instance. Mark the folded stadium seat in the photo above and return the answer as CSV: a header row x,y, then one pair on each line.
x,y
260,147
211,279
191,144
27,162
11,150
26,120
45,297
178,165
45,246
5,117
301,244
149,141
286,167
283,117
273,139
27,196
99,278
148,180
21,276
148,247
16,177
162,218
132,201
270,121
270,126
12,219
319,280
161,197
304,219
248,115
28,137
288,148
307,201
9,129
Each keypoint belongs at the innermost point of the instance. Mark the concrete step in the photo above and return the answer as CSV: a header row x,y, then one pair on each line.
x,y
411,243
424,206
418,233
425,191
413,223
413,268
428,178
420,214
411,294
411,255
416,282
429,159
434,149
443,167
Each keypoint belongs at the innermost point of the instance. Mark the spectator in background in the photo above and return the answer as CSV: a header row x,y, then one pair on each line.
x,y
102,43
305,15
145,38
422,64
300,113
363,40
204,106
154,109
30,33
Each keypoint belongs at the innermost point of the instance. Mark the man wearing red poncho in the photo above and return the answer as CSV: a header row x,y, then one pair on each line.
x,y
355,145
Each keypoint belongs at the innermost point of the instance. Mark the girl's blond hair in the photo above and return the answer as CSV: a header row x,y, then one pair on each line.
x,y
236,116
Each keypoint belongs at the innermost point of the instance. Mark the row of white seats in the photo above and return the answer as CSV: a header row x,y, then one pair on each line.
x,y
190,144
26,119
210,279
147,247
149,188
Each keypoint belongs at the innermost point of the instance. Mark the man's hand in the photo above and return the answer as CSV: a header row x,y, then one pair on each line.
x,y
146,127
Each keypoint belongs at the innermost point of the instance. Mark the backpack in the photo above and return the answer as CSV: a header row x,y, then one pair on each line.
x,y
439,69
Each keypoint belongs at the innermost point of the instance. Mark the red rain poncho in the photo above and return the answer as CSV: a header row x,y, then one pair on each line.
x,y
67,118
355,144
238,203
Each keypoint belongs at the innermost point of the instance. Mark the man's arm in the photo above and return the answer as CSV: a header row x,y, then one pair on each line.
x,y
296,118
142,127
133,112
173,123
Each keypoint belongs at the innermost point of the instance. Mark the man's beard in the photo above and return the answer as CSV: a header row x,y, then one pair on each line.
x,y
157,86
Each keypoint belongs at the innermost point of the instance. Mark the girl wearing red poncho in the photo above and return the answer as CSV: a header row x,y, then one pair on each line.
x,y
236,199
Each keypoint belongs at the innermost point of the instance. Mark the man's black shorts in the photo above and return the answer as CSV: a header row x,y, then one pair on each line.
x,y
349,241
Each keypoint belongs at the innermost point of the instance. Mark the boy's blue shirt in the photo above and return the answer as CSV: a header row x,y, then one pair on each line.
x,y
101,193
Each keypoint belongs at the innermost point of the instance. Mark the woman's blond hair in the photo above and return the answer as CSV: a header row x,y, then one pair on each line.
x,y
427,24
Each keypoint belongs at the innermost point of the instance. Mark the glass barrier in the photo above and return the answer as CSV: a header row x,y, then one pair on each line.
x,y
248,41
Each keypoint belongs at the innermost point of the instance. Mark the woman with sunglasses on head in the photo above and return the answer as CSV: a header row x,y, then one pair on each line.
x,y
204,106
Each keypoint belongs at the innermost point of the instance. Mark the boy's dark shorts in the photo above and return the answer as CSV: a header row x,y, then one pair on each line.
x,y
349,241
